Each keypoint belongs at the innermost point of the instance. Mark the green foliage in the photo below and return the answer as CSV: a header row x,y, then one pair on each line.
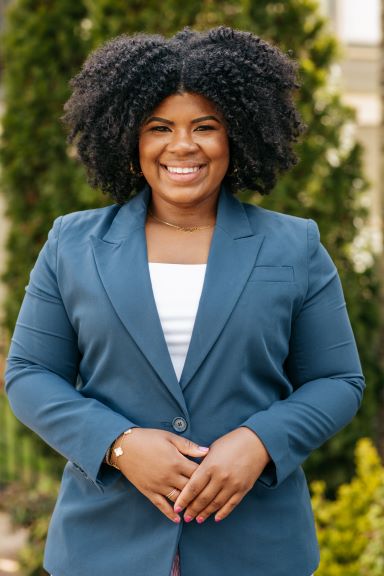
x,y
372,559
351,528
110,18
43,48
44,45
31,509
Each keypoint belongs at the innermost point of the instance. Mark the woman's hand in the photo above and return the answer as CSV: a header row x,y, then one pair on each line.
x,y
228,472
155,462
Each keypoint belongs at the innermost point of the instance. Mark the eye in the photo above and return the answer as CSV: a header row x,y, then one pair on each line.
x,y
205,127
159,129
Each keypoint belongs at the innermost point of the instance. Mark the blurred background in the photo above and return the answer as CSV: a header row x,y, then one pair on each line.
x,y
339,182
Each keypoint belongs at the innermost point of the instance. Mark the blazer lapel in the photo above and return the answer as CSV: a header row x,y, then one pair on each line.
x,y
122,264
233,252
121,260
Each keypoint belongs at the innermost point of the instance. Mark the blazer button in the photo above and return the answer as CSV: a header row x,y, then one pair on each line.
x,y
179,424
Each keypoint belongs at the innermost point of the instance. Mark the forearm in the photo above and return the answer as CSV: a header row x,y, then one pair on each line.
x,y
79,428
116,450
292,428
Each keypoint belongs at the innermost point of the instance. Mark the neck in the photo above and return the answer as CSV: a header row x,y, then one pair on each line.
x,y
203,214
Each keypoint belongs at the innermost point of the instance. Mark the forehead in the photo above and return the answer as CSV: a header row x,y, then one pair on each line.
x,y
185,104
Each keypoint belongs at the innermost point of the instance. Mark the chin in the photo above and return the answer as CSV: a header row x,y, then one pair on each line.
x,y
182,195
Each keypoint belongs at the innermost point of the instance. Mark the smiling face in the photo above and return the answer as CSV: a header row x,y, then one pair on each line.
x,y
184,151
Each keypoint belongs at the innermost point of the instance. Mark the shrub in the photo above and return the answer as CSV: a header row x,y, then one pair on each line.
x,y
351,527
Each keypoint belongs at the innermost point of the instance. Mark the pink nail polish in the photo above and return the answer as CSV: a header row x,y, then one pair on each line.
x,y
217,518
177,519
203,448
200,519
177,509
188,518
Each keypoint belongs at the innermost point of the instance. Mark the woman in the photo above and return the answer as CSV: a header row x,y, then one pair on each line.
x,y
184,351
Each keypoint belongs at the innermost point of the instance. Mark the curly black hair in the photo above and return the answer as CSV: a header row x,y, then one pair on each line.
x,y
249,81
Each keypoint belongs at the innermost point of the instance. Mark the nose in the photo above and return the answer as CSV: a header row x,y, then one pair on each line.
x,y
182,142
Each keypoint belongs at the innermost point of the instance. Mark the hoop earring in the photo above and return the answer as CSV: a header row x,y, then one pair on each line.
x,y
133,171
234,171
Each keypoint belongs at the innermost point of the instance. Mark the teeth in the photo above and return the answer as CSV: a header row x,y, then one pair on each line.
x,y
179,170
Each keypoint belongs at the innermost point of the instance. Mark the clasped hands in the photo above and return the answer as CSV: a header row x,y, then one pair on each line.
x,y
156,462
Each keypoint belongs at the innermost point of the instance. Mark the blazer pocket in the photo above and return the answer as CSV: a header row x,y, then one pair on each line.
x,y
272,274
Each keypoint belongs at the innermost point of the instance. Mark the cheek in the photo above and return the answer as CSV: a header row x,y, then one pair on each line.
x,y
220,150
220,154
148,149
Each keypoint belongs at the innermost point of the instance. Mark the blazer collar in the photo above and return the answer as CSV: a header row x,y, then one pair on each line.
x,y
122,263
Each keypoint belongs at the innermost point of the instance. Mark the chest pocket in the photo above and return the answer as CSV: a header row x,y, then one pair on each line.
x,y
272,274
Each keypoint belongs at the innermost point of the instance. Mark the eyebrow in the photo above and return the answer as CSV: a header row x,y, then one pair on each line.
x,y
194,121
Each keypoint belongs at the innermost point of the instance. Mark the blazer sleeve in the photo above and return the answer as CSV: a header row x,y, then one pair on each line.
x,y
42,370
324,369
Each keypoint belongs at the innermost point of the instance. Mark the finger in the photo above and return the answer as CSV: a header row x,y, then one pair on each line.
x,y
178,482
228,507
181,482
186,467
192,489
206,497
172,494
178,485
216,503
187,447
165,507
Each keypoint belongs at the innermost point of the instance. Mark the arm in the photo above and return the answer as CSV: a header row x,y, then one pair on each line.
x,y
324,368
42,371
41,385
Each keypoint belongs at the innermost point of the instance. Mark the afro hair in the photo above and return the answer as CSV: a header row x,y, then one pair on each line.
x,y
248,80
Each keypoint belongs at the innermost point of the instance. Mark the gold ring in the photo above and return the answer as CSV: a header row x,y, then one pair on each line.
x,y
172,493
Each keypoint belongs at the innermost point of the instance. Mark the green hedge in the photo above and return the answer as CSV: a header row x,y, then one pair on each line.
x,y
351,528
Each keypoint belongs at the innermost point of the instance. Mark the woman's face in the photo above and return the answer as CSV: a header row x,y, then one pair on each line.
x,y
184,150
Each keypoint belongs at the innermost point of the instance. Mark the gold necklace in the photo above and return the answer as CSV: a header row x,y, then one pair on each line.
x,y
182,228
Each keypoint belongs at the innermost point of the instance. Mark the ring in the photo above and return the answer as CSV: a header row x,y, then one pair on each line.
x,y
172,493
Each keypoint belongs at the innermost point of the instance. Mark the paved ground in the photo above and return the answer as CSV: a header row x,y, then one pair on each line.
x,y
10,543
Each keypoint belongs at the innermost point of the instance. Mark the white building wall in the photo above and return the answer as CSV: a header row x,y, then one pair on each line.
x,y
357,25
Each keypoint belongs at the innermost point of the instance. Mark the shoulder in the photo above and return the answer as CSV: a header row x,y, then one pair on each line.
x,y
270,222
285,235
84,223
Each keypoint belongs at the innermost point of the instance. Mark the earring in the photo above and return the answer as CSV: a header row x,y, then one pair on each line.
x,y
234,171
133,171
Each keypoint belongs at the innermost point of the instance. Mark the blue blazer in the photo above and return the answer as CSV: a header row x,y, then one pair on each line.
x,y
272,349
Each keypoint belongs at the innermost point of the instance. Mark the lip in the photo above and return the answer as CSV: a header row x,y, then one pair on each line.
x,y
174,177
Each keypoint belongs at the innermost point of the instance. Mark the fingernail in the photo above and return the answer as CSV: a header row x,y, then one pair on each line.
x,y
200,519
217,518
177,509
177,519
203,448
188,518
